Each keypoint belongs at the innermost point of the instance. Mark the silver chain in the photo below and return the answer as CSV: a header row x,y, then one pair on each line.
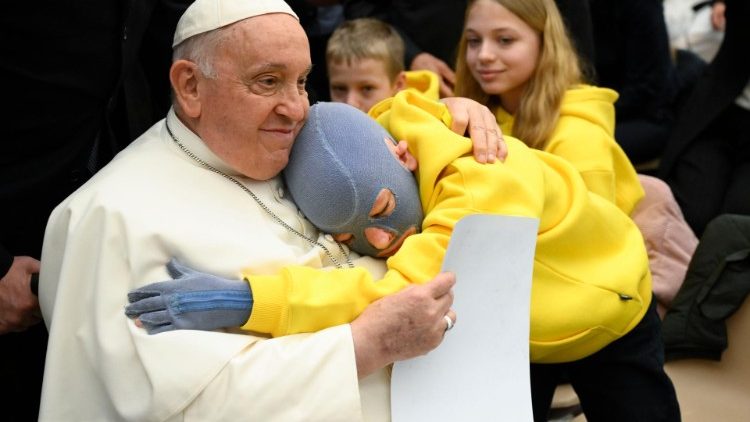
x,y
261,204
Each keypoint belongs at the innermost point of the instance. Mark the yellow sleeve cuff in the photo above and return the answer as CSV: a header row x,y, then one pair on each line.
x,y
269,311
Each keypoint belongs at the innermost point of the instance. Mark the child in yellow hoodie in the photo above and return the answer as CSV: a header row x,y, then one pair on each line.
x,y
515,57
591,282
365,64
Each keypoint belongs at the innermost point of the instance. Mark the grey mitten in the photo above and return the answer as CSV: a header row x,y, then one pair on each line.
x,y
192,301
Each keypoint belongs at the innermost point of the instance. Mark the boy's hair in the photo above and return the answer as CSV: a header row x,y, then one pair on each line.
x,y
367,38
558,69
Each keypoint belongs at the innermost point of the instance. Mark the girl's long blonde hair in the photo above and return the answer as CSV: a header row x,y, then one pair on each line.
x,y
558,69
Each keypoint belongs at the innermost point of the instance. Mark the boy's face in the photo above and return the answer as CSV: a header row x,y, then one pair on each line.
x,y
351,179
385,241
362,84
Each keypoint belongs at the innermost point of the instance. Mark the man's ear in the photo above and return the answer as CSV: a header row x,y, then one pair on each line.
x,y
184,78
400,83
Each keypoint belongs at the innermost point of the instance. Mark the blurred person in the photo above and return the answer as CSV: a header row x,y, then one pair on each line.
x,y
82,88
707,158
632,55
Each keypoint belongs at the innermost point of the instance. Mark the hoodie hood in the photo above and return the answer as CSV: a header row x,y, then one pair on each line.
x,y
591,103
415,114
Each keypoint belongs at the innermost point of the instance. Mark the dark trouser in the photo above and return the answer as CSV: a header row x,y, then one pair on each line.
x,y
21,370
625,381
712,175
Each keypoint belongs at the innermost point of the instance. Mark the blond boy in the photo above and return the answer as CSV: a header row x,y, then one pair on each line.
x,y
365,62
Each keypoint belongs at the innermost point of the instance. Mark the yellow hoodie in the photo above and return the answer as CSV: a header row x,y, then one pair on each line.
x,y
584,136
424,81
591,280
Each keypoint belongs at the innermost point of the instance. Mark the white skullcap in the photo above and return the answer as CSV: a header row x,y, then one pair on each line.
x,y
207,15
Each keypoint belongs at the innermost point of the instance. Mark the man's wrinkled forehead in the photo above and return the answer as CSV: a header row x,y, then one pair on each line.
x,y
207,15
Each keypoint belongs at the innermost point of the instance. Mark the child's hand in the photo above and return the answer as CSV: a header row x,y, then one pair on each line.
x,y
405,157
192,301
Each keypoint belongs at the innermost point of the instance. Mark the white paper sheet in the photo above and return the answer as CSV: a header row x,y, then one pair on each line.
x,y
481,370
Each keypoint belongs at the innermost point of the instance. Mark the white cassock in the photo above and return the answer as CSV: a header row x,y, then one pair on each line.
x,y
116,233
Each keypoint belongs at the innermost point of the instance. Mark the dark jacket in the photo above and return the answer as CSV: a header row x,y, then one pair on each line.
x,y
632,57
75,74
716,284
434,26
717,88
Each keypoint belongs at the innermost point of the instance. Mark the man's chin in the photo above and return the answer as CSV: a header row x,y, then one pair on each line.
x,y
271,168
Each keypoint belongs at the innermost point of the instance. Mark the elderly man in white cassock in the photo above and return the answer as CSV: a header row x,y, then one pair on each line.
x,y
203,185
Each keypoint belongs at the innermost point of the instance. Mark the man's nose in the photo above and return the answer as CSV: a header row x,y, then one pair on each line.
x,y
294,103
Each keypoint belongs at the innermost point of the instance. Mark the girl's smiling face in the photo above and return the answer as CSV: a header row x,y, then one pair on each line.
x,y
502,51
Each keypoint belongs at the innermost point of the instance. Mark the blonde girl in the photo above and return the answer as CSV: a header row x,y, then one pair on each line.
x,y
516,58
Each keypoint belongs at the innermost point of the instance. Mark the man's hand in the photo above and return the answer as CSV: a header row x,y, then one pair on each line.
x,y
426,61
19,307
193,301
481,125
404,325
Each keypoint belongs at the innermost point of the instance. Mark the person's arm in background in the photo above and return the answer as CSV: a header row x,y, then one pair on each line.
x,y
425,61
19,307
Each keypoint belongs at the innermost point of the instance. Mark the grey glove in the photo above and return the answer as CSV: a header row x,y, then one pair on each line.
x,y
192,301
